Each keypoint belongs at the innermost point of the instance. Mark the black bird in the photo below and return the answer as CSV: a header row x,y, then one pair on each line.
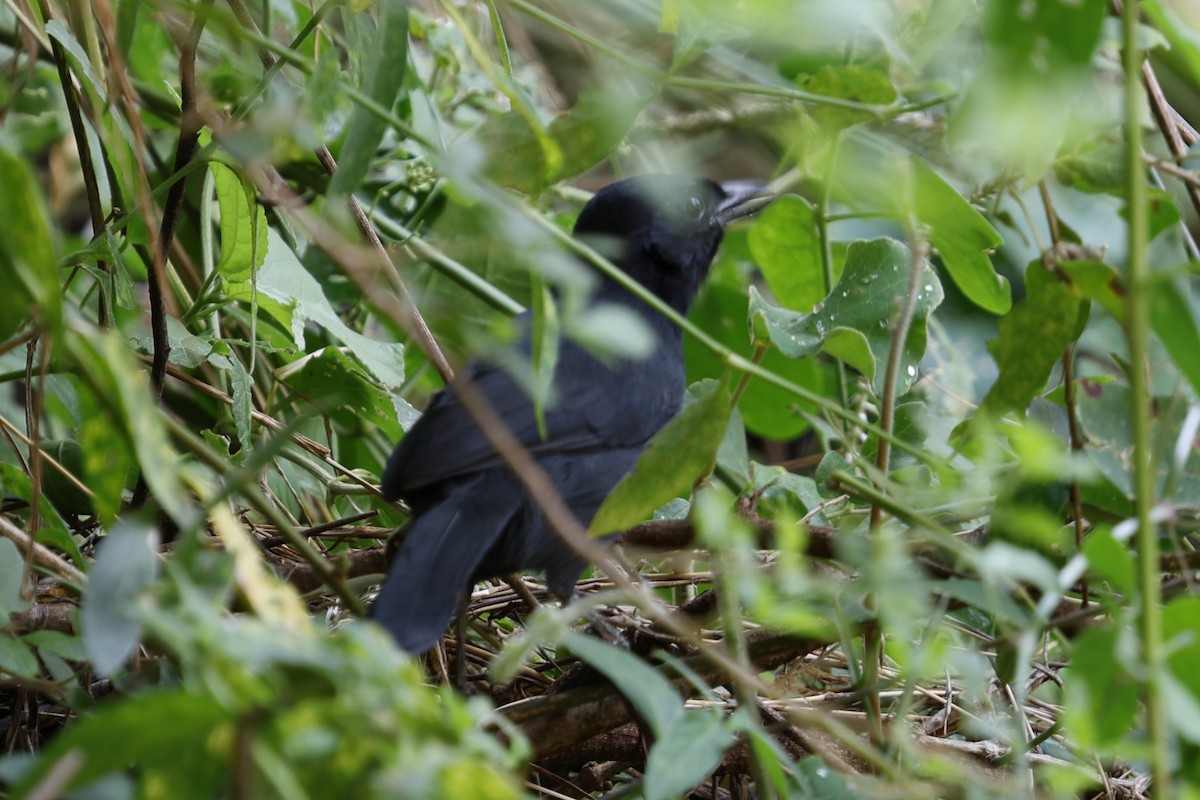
x,y
472,519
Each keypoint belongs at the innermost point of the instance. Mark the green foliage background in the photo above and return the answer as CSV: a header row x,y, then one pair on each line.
x,y
938,473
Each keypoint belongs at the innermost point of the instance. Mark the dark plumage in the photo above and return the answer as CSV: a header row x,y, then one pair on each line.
x,y
472,519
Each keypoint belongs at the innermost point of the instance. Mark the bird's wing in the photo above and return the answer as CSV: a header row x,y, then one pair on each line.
x,y
590,412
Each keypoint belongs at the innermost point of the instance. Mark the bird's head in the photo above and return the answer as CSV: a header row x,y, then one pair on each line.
x,y
663,230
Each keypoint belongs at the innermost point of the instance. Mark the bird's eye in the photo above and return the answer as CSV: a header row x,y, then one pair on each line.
x,y
697,206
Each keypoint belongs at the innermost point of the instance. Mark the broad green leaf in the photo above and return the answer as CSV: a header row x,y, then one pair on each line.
x,y
63,645
126,563
962,237
1102,697
16,658
1031,342
593,128
1110,559
338,386
643,686
384,74
521,158
62,34
733,458
673,461
289,293
766,409
1184,52
243,225
848,82
124,388
58,489
27,250
813,779
12,572
1033,70
1173,324
787,248
860,308
1098,282
1103,411
686,753
1181,634
106,463
186,754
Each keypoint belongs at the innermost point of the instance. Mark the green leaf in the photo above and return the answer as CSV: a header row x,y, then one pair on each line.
x,y
184,755
332,382
1184,52
1173,324
786,247
126,563
123,389
1181,635
689,750
287,291
859,309
1098,282
1031,341
12,573
386,66
1110,559
27,257
643,686
16,658
1102,697
766,409
848,82
963,238
672,462
243,225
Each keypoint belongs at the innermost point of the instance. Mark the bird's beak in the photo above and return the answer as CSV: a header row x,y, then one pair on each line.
x,y
742,198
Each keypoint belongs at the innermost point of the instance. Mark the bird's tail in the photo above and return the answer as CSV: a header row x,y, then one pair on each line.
x,y
436,564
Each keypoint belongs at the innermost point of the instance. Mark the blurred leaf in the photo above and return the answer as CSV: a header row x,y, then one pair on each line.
x,y
272,600
672,462
385,66
1184,51
243,225
16,658
786,247
582,137
1181,636
12,574
864,301
963,238
1031,342
643,686
814,778
130,407
27,257
1098,282
106,463
1173,324
687,752
184,753
848,82
1102,697
125,565
58,489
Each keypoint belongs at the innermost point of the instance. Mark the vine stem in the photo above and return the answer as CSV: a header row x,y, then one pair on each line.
x,y
1138,289
873,639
